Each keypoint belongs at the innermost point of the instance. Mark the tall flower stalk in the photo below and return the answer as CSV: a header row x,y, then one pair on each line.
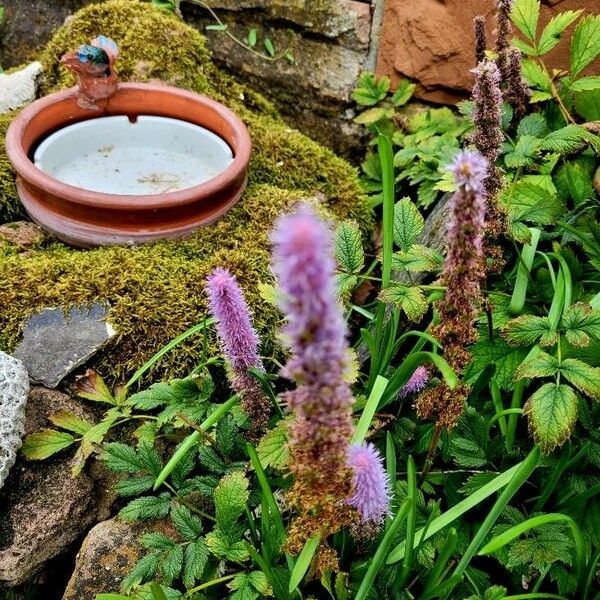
x,y
503,33
315,335
480,38
239,343
463,265
517,92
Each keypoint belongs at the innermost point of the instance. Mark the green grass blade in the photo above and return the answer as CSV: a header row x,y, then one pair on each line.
x,y
514,532
517,302
303,562
165,349
369,410
378,560
457,510
193,439
441,562
411,522
525,469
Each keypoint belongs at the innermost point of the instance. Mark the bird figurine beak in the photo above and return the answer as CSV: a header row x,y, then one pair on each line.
x,y
71,61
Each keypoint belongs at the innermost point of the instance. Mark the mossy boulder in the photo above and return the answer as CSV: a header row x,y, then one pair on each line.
x,y
157,291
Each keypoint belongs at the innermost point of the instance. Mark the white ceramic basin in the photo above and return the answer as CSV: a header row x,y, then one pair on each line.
x,y
152,155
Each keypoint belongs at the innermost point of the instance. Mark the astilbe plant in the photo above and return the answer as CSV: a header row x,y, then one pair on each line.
x,y
239,343
321,404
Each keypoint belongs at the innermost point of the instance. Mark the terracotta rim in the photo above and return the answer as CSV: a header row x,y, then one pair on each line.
x,y
157,215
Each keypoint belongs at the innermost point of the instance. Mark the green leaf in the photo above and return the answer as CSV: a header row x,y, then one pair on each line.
x,y
526,330
417,259
272,449
552,412
122,458
188,525
585,378
345,283
194,562
348,247
303,562
533,125
540,365
134,486
156,541
171,563
249,586
536,76
45,443
553,31
573,180
586,84
374,115
147,507
409,299
524,15
222,547
370,89
587,104
585,45
146,568
252,37
67,420
408,223
468,440
538,96
528,201
403,92
230,499
581,324
524,153
568,139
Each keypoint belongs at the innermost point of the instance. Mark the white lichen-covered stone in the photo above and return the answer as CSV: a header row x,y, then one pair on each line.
x,y
19,88
14,389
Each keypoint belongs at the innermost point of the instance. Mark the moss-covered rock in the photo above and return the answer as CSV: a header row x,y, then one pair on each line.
x,y
157,291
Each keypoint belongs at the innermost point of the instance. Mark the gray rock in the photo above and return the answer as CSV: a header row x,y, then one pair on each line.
x,y
19,88
54,345
14,389
43,510
107,554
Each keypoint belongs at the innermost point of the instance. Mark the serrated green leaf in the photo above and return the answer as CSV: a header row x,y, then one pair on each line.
x,y
526,330
147,507
524,153
134,486
67,420
348,246
468,440
156,541
45,443
553,31
568,139
408,224
585,44
581,324
541,365
552,412
345,283
403,93
222,547
417,259
527,201
370,89
122,458
272,449
171,563
539,96
230,499
534,125
573,181
248,586
194,562
146,568
585,378
536,77
586,84
409,299
587,104
524,14
188,525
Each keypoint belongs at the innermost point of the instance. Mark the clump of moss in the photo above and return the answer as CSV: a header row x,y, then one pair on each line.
x,y
157,291
9,206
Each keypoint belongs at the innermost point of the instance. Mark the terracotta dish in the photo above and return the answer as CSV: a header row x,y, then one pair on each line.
x,y
84,218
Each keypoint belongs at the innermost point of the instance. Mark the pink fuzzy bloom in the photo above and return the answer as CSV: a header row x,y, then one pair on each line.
x,y
239,343
417,381
371,496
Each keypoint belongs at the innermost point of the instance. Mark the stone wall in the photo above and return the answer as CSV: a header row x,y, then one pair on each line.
x,y
431,42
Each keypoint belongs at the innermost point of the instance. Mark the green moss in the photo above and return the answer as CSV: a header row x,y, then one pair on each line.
x,y
157,291
9,206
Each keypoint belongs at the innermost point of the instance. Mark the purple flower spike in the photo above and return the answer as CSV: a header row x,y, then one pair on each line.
x,y
417,381
315,334
371,484
239,342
